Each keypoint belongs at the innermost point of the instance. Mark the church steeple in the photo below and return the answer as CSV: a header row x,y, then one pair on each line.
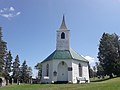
x,y
63,25
63,37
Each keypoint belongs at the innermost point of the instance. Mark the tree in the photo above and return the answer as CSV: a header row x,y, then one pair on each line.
x,y
100,70
16,69
39,68
108,54
3,50
29,73
26,73
94,71
91,72
8,66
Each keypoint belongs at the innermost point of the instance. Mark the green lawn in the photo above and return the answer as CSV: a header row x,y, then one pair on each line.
x,y
111,84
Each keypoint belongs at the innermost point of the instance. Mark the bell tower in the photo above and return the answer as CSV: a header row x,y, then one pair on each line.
x,y
63,37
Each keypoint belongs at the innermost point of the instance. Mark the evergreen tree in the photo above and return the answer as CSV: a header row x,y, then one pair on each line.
x,y
16,69
39,68
26,73
108,53
29,73
100,70
3,49
8,66
94,71
91,72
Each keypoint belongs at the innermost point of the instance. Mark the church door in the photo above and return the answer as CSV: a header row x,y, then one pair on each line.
x,y
62,72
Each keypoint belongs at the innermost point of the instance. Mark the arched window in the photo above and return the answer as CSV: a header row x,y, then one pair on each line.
x,y
62,35
80,70
47,70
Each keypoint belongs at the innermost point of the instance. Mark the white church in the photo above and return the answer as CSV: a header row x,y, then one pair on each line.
x,y
64,65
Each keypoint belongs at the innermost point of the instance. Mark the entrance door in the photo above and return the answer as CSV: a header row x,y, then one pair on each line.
x,y
62,72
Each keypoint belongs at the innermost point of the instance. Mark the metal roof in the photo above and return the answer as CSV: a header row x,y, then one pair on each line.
x,y
65,54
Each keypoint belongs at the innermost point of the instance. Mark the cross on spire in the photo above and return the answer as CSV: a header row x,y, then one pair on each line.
x,y
63,25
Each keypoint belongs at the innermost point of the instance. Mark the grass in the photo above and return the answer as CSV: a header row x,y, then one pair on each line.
x,y
95,79
110,84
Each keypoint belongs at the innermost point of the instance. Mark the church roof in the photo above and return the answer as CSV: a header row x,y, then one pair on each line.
x,y
65,54
63,25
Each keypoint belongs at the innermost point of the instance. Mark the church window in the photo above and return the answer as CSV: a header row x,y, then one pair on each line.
x,y
62,35
47,70
80,70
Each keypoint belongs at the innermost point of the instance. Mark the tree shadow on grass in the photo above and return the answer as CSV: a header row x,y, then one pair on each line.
x,y
100,80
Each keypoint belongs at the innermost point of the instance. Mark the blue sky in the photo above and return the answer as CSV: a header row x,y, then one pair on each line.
x,y
29,26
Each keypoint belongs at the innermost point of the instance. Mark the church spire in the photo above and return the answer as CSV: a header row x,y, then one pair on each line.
x,y
63,37
63,25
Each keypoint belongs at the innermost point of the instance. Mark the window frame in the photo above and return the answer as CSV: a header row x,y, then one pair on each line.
x,y
62,35
80,70
47,70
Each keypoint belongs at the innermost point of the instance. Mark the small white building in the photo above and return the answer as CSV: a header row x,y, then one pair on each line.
x,y
64,65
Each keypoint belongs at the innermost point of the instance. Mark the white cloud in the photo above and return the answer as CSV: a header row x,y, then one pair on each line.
x,y
9,12
90,59
8,16
1,11
18,13
5,15
11,9
5,9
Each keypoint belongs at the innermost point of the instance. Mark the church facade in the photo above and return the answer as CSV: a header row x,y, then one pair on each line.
x,y
64,65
